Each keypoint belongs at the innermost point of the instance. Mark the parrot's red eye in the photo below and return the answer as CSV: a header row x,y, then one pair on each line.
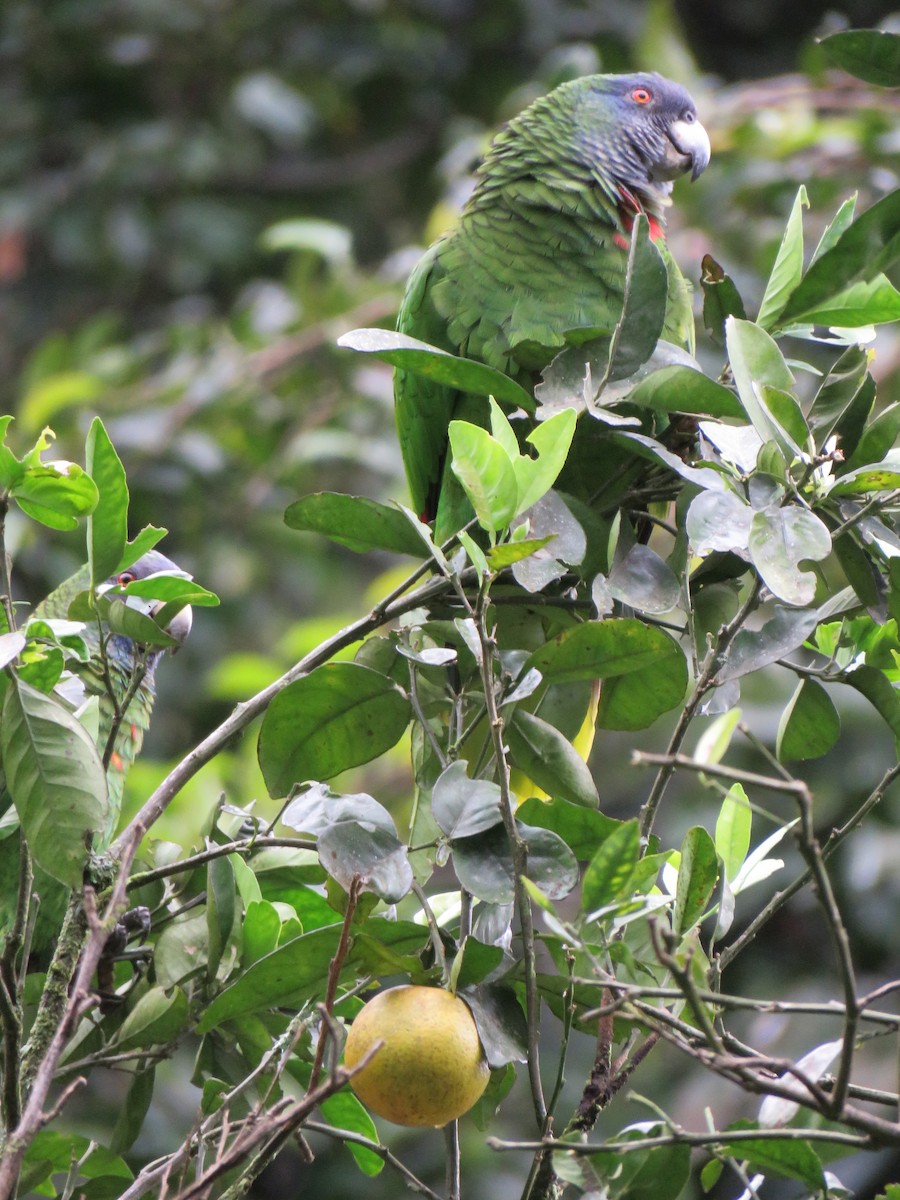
x,y
125,578
641,96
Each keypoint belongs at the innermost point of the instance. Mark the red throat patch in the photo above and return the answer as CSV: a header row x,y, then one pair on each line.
x,y
629,207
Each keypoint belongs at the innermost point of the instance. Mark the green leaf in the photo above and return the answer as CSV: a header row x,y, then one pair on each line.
x,y
721,298
356,522
600,650
698,874
170,588
543,753
221,909
180,951
155,1020
837,392
753,649
55,778
419,358
344,1111
810,724
298,969
643,305
643,581
788,267
107,526
500,1021
582,829
733,827
878,437
656,1174
794,1158
757,363
474,962
634,701
868,54
356,837
610,870
685,390
536,476
463,807
56,494
780,540
260,929
509,553
484,864
878,478
864,251
880,692
336,717
867,302
133,1112
486,473
841,221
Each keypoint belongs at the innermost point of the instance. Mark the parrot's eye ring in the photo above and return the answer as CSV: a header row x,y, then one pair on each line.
x,y
125,578
641,96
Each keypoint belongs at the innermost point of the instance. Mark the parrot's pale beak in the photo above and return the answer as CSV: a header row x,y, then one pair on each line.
x,y
691,141
180,626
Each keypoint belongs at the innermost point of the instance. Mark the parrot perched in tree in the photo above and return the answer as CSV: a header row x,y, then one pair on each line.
x,y
125,669
540,251
123,659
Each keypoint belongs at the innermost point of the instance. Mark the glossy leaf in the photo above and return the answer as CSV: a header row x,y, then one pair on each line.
x,y
757,363
611,867
485,470
780,540
108,523
733,826
810,724
643,305
721,298
864,250
788,267
868,54
582,829
644,581
753,649
337,717
600,650
56,780
635,700
356,522
221,910
464,374
698,874
156,1019
57,494
463,807
546,756
298,970
684,390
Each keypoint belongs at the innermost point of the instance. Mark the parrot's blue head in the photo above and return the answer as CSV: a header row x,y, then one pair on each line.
x,y
642,132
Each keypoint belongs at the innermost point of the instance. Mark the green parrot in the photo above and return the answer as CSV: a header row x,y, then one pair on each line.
x,y
126,670
540,251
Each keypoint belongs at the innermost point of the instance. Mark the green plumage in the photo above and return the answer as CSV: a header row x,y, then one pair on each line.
x,y
540,251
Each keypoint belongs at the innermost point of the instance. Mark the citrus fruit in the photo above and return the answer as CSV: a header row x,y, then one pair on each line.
x,y
430,1069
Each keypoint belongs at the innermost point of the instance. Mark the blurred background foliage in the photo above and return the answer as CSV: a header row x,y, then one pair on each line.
x,y
197,198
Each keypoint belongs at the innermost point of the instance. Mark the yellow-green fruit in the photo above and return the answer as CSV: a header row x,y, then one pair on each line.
x,y
430,1069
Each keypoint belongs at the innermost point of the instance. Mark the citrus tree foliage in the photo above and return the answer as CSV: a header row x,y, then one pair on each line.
x,y
746,519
